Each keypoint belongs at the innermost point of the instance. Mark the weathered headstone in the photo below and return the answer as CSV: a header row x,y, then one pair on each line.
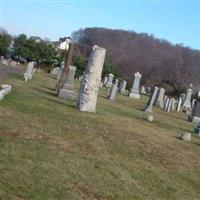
x,y
151,100
187,102
122,87
143,90
160,98
67,91
91,80
195,115
105,79
166,104
169,107
110,80
182,96
179,104
29,71
113,91
55,71
134,92
173,107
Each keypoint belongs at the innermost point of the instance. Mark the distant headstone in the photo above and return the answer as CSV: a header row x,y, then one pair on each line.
x,y
169,107
122,87
151,100
166,104
182,96
187,102
67,91
143,90
105,79
29,71
173,107
55,71
179,104
134,92
110,80
91,80
160,98
113,91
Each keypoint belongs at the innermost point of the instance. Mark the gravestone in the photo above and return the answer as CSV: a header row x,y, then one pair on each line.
x,y
134,92
173,107
187,102
143,90
166,104
29,71
160,98
179,104
91,80
5,89
151,100
55,71
169,106
67,91
182,96
105,79
113,91
122,87
110,80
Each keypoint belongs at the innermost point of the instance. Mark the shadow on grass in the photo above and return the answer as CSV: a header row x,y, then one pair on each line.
x,y
59,101
170,127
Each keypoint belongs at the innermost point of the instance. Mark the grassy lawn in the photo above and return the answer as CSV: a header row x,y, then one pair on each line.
x,y
50,150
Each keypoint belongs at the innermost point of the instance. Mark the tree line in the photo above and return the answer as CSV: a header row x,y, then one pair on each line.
x,y
160,62
24,49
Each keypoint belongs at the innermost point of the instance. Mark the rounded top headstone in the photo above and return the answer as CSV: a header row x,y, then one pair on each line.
x,y
111,74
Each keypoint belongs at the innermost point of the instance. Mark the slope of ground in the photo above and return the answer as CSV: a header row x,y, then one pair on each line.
x,y
50,150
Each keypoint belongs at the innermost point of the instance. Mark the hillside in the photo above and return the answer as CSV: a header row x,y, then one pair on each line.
x,y
50,150
160,63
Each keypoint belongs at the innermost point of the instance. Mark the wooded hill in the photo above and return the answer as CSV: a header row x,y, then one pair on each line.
x,y
160,62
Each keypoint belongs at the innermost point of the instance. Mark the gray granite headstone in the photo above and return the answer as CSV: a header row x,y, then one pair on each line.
x,y
122,87
151,100
110,80
67,91
134,92
113,91
91,80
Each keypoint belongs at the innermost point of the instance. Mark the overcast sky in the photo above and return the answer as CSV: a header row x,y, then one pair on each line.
x,y
175,21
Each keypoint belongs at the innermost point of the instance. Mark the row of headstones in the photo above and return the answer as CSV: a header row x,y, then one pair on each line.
x,y
29,71
8,61
159,99
5,89
134,91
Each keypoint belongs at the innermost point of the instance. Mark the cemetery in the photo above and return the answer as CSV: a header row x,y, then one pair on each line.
x,y
99,113
125,146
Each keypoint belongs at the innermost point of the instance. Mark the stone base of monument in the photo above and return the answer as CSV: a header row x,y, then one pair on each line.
x,y
67,94
135,95
148,116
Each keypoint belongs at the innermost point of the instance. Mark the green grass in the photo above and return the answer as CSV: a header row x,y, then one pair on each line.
x,y
50,150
